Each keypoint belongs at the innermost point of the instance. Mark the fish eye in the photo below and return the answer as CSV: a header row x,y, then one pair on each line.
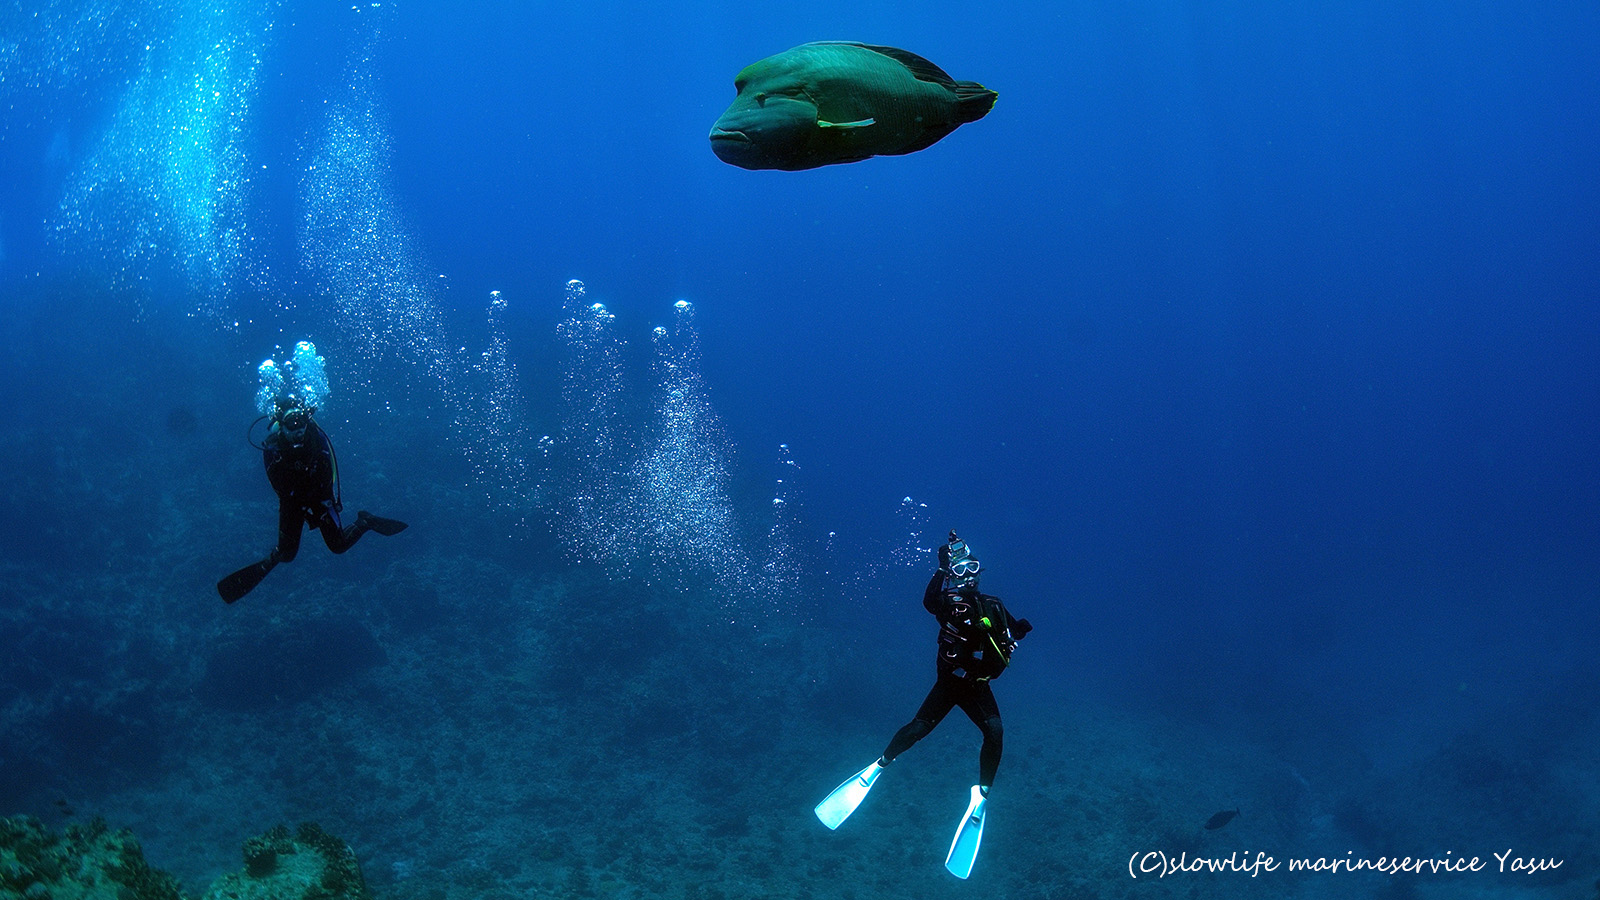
x,y
761,98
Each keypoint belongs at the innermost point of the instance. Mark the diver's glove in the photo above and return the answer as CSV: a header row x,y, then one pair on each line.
x,y
945,548
1020,628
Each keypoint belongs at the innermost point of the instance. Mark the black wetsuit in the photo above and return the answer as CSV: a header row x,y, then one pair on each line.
x,y
967,662
305,476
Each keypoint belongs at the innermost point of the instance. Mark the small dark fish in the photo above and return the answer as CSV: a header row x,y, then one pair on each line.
x,y
182,421
838,102
1221,819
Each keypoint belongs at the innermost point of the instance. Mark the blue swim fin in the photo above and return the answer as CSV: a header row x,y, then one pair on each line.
x,y
969,834
838,806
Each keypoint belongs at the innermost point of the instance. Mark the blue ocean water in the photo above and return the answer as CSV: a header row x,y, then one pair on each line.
x,y
1253,347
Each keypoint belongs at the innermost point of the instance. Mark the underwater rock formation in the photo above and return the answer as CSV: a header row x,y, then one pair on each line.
x,y
95,862
309,864
86,861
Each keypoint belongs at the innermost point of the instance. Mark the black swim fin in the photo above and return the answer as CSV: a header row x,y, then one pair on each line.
x,y
244,581
385,527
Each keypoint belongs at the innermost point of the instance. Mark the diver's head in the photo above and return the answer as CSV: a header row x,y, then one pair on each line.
x,y
963,576
293,418
960,566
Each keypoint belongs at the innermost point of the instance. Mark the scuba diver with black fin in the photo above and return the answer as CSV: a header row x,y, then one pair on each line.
x,y
977,635
304,472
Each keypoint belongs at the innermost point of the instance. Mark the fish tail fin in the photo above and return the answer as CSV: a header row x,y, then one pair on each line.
x,y
973,101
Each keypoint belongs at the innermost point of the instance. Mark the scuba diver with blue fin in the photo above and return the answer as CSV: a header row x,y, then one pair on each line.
x,y
976,638
302,469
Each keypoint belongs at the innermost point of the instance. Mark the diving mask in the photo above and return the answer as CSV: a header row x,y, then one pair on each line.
x,y
959,562
293,421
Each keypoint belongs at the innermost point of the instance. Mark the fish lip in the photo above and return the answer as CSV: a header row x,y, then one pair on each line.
x,y
722,134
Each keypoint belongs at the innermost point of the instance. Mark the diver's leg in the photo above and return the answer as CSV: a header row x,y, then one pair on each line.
x,y
340,539
978,702
939,702
290,520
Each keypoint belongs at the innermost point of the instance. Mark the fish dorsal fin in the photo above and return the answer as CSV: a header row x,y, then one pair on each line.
x,y
921,68
846,125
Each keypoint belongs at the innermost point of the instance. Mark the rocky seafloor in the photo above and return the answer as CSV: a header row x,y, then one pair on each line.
x,y
475,716
475,731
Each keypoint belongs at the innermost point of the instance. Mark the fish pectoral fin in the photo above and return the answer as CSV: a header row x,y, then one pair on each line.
x,y
860,124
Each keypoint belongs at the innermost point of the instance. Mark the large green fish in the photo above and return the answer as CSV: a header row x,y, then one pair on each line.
x,y
838,102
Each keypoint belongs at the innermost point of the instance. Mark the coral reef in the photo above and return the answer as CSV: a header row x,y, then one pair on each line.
x,y
95,862
86,862
310,864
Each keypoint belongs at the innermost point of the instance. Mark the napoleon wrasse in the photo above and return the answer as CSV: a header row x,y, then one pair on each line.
x,y
837,102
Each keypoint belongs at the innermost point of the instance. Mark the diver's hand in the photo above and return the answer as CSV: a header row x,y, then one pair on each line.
x,y
1020,629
